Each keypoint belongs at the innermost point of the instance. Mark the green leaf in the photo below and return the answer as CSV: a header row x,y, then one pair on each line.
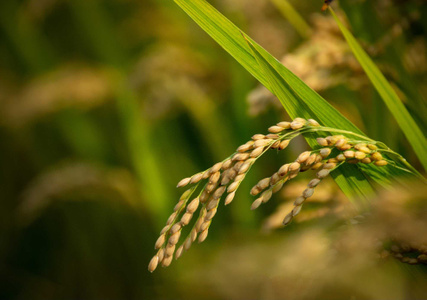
x,y
409,127
350,179
298,99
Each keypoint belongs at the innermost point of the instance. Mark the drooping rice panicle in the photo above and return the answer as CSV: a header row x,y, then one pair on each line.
x,y
224,178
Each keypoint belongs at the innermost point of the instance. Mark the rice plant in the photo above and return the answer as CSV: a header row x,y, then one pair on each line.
x,y
338,147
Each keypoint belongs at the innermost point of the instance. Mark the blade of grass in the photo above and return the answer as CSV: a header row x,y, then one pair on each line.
x,y
409,127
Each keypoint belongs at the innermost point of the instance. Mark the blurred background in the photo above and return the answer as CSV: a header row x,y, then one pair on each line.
x,y
106,105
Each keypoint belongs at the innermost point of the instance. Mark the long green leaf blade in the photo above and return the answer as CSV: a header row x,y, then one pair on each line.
x,y
308,104
353,182
409,127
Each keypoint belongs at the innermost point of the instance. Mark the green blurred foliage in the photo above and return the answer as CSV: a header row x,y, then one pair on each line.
x,y
105,105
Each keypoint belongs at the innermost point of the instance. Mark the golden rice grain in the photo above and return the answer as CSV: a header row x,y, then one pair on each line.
x,y
317,166
171,218
238,165
332,140
329,165
211,213
219,192
153,264
284,144
308,193
169,250
241,156
311,160
204,196
314,182
376,156
275,179
174,238
229,198
324,152
295,125
186,218
287,219
228,176
232,187
256,152
323,173
283,170
196,178
179,251
262,143
256,203
277,187
210,187
341,157
266,196
303,157
359,155
340,143
275,129
313,123
245,167
175,228
227,164
275,145
214,177
366,160
294,167
167,261
179,205
161,254
206,174
246,147
300,200
212,204
164,230
258,137
203,235
349,154
322,142
256,190
296,210
345,147
192,207
184,182
380,163
216,167
285,125
205,225
187,243
263,183
160,241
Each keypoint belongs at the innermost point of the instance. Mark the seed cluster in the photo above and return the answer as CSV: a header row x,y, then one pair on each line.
x,y
321,160
225,178
406,253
